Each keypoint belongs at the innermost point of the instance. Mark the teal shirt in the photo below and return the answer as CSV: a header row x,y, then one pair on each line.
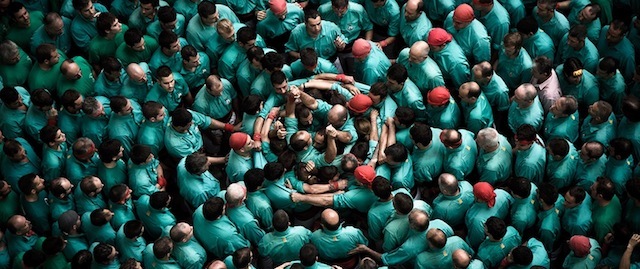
x,y
190,254
86,203
473,39
561,127
461,160
491,252
83,30
586,91
101,47
154,220
478,115
12,171
228,239
12,120
96,128
240,7
601,132
335,245
373,68
129,248
441,258
588,55
548,224
76,170
280,195
515,9
514,71
260,206
445,117
387,16
360,198
9,206
623,52
159,58
262,85
84,84
198,76
106,88
426,75
216,107
198,33
532,115
18,73
587,173
143,178
479,212
170,100
453,63
215,46
577,220
154,29
150,260
323,43
237,166
19,243
102,234
152,133
416,30
497,93
40,78
53,162
497,24
127,55
414,245
560,173
123,8
62,42
524,211
410,96
112,176
539,44
605,217
58,206
530,163
272,27
38,210
452,209
122,213
284,246
196,189
613,90
439,9
230,60
324,66
351,24
75,243
495,166
135,90
556,27
589,261
540,256
630,130
124,128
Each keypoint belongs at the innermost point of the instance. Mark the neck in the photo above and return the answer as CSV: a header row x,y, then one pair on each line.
x,y
111,164
44,66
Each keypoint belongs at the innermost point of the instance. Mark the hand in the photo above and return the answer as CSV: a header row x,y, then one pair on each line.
x,y
310,166
350,87
608,239
331,131
261,14
52,113
390,121
257,145
378,45
373,115
278,125
382,157
281,133
275,110
342,184
635,239
294,91
359,249
339,43
295,197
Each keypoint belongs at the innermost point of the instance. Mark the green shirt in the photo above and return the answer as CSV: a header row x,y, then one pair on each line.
x,y
127,55
9,206
83,30
452,209
122,213
335,245
444,117
478,115
613,90
561,127
588,54
479,212
86,203
228,238
216,107
373,68
102,234
556,27
530,163
461,160
190,254
577,220
623,52
151,261
453,63
604,217
426,75
587,173
84,84
497,23
473,39
411,97
196,189
323,43
134,90
495,166
154,220
560,173
18,73
170,100
260,206
39,78
351,23
100,47
589,261
22,36
247,224
58,206
416,30
143,177
524,211
548,225
154,28
586,91
62,42
112,176
441,258
152,134
272,27
497,93
129,248
284,246
386,16
174,61
539,44
600,132
514,71
492,252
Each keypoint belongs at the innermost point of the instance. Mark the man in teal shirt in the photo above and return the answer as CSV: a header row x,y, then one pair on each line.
x,y
460,152
203,27
494,157
124,122
232,57
576,44
428,153
83,27
440,248
109,81
514,63
371,64
335,241
154,213
15,103
22,24
534,40
88,195
578,82
110,36
196,183
19,159
75,73
195,67
620,164
324,36
145,14
496,18
145,172
54,152
530,154
96,226
562,161
209,222
576,219
170,90
240,215
152,129
562,119
591,165
548,219
404,92
455,198
414,24
97,112
524,208
525,108
136,48
168,20
476,110
612,84
137,82
442,110
350,17
183,137
56,30
600,124
169,52
310,64
186,249
15,64
470,34
489,203
284,242
552,22
423,70
216,99
493,87
585,252
449,56
279,20
129,240
83,161
499,242
614,43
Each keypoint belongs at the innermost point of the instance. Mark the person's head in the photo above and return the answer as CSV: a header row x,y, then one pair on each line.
x,y
402,203
121,105
19,225
589,13
14,151
182,232
272,61
405,117
169,42
134,40
436,238
495,228
213,85
159,200
47,54
521,255
463,15
451,138
18,15
603,189
488,139
572,70
241,143
313,22
110,150
165,78
580,245
273,171
396,77
338,116
564,106
133,229
93,107
216,264
461,259
279,82
577,36
53,24
418,220
69,222
168,18
162,248
546,9
252,104
558,148
360,49
469,92
235,195
527,27
149,8
438,97
140,154
547,194
525,136
482,73
574,197
104,253
9,53
330,220
225,29
448,184
85,9
208,13
520,187
482,5
42,100
71,70
339,7
600,111
197,163
213,208
111,68
381,187
91,186
413,10
512,43
33,258
242,257
83,259
130,263
484,193
108,25
591,151
30,184
359,104
280,220
60,187
308,254
53,245
421,135
396,154
71,101
119,194
525,95
246,38
279,8
620,148
100,217
418,52
378,92
83,149
631,108
607,68
190,57
153,111
542,68
438,38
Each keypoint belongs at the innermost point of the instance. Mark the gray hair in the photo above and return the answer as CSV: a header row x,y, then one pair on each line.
x,y
8,50
488,138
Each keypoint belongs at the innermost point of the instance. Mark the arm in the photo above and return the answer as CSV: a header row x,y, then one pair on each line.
x,y
322,200
332,150
306,99
382,145
625,262
335,77
368,35
373,116
391,134
294,54
324,188
362,249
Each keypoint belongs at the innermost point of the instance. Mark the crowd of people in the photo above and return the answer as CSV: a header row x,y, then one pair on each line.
x,y
320,134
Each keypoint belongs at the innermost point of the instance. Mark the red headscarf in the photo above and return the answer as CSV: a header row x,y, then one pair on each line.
x,y
484,191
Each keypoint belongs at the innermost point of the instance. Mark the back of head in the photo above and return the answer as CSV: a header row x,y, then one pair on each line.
x,y
631,108
272,61
520,186
213,208
496,227
196,163
139,154
241,258
381,187
109,150
522,255
133,229
419,220
82,259
34,258
102,253
402,203
162,247
528,25
547,193
308,254
159,200
578,193
421,133
99,217
280,220
246,34
559,146
235,194
273,171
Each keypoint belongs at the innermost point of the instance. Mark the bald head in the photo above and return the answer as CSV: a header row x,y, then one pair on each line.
x,y
419,220
418,52
337,116
181,232
235,195
525,94
451,138
436,238
461,258
330,219
448,184
136,73
217,265
70,70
